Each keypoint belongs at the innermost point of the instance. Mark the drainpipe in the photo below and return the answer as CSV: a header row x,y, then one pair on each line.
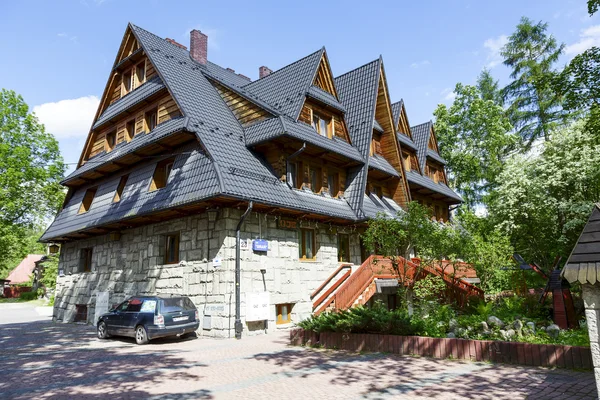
x,y
287,162
238,321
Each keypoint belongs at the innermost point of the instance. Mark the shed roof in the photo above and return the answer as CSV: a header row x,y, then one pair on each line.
x,y
22,272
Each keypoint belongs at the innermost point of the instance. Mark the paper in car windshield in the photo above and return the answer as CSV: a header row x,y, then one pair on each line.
x,y
149,305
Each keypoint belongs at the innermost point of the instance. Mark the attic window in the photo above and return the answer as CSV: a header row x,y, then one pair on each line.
x,y
333,183
316,179
161,174
321,124
111,139
130,129
127,82
151,120
140,73
119,191
88,198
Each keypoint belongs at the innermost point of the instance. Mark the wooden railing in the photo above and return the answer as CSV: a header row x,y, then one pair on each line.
x,y
378,267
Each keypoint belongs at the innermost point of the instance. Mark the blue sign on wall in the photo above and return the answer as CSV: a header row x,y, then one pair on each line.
x,y
260,245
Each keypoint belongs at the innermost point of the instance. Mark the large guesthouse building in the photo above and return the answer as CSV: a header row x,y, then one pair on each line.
x,y
184,154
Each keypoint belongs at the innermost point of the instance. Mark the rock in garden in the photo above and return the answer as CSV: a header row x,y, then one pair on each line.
x,y
510,333
484,326
518,325
453,324
451,335
531,326
553,331
495,321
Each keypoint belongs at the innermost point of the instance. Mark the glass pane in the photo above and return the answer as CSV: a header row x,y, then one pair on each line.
x,y
301,244
309,243
313,180
315,122
284,312
292,175
323,130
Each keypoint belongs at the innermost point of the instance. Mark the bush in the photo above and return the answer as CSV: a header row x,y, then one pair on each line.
x,y
27,296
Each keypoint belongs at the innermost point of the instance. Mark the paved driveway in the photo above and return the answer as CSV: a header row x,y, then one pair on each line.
x,y
52,361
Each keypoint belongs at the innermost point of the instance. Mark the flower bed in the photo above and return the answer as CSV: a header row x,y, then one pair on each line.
x,y
545,355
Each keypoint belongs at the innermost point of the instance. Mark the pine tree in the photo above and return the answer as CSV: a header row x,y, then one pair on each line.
x,y
488,87
534,108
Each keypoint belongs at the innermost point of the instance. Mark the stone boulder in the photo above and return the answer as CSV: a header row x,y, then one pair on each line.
x,y
451,335
495,322
531,326
452,325
553,331
484,327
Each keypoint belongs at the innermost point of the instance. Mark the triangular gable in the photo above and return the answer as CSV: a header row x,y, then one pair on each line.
x,y
389,142
285,89
245,111
324,78
401,119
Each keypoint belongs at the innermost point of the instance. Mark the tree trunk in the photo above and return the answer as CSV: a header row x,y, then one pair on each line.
x,y
410,301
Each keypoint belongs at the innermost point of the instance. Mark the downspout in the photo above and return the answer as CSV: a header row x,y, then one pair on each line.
x,y
238,321
287,163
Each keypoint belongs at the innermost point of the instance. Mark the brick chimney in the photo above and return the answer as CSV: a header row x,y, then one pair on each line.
x,y
198,46
263,71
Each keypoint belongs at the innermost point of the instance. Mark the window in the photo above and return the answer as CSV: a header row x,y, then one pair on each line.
x,y
292,175
413,163
111,140
119,191
284,313
151,120
343,247
172,249
320,124
315,179
307,244
85,264
135,305
378,191
140,72
88,198
80,313
333,183
130,129
161,174
127,82
407,165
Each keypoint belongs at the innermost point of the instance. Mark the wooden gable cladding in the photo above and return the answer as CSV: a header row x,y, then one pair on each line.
x,y
436,173
403,125
432,144
390,148
246,112
337,125
134,123
439,209
324,78
411,162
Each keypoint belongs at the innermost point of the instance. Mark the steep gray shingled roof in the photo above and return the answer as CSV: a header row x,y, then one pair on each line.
x,y
406,141
326,98
381,164
286,88
283,126
403,137
122,149
421,135
193,178
377,127
583,265
357,91
240,173
136,96
426,182
396,108
434,155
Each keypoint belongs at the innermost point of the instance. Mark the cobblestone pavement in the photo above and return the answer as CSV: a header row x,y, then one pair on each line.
x,y
44,360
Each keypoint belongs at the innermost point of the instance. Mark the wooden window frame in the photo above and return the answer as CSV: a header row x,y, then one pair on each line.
x,y
346,247
317,127
130,129
162,171
294,175
335,190
175,243
279,312
148,119
120,187
88,200
302,244
112,134
137,68
85,262
318,178
124,89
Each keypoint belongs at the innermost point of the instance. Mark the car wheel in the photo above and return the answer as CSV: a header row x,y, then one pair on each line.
x,y
102,330
140,335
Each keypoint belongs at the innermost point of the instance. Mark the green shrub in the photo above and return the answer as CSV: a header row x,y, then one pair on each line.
x,y
26,296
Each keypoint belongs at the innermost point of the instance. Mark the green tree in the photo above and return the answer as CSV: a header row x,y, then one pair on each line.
x,y
489,87
534,108
543,201
475,137
31,166
593,6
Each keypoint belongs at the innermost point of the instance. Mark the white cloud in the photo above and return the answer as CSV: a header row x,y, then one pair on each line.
x,y
68,118
65,35
588,38
448,94
420,64
213,36
494,46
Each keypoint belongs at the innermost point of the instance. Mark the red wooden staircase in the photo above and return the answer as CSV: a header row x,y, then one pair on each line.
x,y
344,289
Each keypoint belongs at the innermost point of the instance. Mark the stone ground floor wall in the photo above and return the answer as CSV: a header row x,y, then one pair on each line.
x,y
133,264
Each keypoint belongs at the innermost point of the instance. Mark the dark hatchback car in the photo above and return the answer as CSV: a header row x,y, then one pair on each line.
x,y
150,317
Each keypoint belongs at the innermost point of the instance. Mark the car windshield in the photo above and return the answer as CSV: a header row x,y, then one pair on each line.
x,y
177,304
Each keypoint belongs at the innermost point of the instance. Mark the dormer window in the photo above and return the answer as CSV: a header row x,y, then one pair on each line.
x,y
130,129
127,82
321,124
120,188
333,183
111,140
315,177
151,120
140,73
87,201
161,174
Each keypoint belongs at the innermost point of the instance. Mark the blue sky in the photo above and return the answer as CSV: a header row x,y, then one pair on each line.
x,y
59,54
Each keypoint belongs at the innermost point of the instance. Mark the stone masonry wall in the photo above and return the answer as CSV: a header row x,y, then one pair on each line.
x,y
133,265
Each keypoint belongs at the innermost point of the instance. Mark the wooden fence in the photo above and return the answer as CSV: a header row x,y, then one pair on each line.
x,y
545,355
